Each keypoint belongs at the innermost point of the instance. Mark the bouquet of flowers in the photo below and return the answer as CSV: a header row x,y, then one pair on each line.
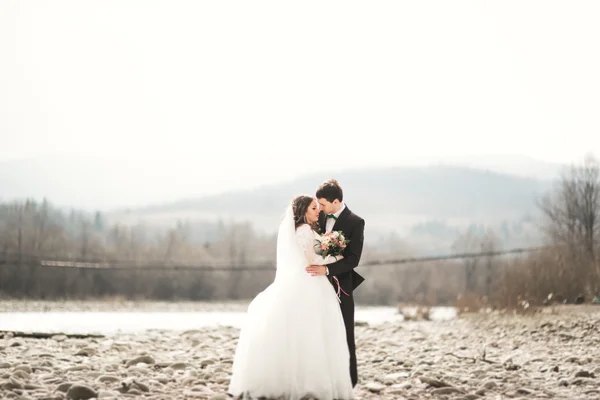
x,y
333,243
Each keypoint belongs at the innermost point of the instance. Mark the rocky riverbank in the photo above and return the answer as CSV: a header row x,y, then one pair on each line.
x,y
477,356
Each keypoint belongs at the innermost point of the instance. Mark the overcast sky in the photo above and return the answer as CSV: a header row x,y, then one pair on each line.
x,y
275,89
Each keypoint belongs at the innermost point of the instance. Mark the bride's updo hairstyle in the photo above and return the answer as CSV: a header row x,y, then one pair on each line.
x,y
300,206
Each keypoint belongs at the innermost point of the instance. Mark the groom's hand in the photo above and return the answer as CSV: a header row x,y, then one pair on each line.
x,y
316,270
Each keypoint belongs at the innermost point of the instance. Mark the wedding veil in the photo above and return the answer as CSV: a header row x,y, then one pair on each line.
x,y
290,258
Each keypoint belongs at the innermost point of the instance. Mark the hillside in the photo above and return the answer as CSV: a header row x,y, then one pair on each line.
x,y
405,200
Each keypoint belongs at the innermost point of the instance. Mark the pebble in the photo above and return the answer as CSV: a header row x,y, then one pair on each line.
x,y
477,356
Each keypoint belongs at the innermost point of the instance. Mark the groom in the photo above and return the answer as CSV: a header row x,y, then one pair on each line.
x,y
335,216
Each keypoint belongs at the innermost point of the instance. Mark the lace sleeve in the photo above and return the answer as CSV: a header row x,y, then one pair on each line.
x,y
307,241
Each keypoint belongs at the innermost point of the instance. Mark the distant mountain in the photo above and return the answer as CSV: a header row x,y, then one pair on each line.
x,y
430,204
108,184
507,164
390,199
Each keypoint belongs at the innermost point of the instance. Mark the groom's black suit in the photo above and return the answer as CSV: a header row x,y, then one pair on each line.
x,y
353,228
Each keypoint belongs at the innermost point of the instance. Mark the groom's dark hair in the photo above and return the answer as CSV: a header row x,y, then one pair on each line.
x,y
330,190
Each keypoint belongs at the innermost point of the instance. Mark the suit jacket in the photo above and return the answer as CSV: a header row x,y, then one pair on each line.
x,y
353,228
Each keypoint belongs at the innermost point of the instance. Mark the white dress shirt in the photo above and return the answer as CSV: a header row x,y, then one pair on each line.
x,y
329,226
330,221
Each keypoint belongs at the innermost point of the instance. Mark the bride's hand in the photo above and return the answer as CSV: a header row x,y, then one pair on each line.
x,y
339,258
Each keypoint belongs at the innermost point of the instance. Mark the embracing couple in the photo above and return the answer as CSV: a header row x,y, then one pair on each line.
x,y
298,338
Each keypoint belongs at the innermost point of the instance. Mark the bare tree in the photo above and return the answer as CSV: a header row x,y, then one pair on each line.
x,y
173,241
468,242
16,229
42,227
4,232
572,214
473,242
85,238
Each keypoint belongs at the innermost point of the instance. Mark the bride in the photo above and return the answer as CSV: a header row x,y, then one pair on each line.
x,y
293,343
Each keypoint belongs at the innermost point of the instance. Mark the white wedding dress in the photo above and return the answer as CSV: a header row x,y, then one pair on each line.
x,y
293,341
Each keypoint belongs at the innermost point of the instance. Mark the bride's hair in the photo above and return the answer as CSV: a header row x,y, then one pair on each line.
x,y
300,206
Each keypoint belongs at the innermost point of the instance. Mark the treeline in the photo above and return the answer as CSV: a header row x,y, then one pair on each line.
x,y
30,229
